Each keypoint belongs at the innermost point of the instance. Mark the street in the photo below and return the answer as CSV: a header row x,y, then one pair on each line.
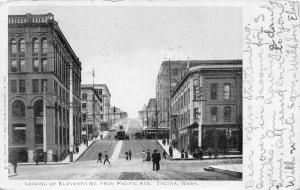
x,y
86,167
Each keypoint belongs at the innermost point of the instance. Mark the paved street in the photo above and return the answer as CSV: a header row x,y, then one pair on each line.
x,y
125,170
86,167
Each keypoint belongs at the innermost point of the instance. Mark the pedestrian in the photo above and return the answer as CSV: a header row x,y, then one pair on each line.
x,y
126,155
171,151
36,158
129,153
182,153
143,156
106,158
201,154
164,142
167,141
77,149
148,158
164,154
155,160
209,152
99,157
15,164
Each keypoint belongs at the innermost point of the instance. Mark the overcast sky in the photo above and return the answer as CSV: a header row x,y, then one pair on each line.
x,y
126,44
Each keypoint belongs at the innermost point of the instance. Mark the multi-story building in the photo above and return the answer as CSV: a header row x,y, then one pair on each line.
x,y
147,115
91,111
104,98
170,73
40,61
207,107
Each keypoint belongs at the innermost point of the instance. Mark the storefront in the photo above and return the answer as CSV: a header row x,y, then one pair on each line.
x,y
188,140
227,139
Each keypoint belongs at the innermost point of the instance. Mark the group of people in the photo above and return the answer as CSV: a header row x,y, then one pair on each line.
x,y
155,157
105,158
128,155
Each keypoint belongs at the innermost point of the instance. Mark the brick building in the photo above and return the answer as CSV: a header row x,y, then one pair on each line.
x,y
207,107
39,53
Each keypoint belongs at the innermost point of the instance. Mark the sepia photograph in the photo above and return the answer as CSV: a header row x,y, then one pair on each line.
x,y
125,92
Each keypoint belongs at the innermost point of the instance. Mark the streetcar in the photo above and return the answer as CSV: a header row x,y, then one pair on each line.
x,y
120,133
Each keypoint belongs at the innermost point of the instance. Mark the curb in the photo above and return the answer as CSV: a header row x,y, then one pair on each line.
x,y
228,172
219,158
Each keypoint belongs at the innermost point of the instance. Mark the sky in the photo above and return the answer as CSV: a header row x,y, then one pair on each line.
x,y
127,44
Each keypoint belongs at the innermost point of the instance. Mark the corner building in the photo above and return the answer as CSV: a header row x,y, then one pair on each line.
x,y
207,107
39,53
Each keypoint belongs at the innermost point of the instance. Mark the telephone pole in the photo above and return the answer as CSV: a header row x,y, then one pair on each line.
x,y
93,104
169,115
71,116
44,123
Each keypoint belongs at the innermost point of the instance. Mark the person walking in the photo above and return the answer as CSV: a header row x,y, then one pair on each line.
x,y
129,153
126,155
164,142
148,158
171,151
164,154
143,156
99,157
106,158
155,160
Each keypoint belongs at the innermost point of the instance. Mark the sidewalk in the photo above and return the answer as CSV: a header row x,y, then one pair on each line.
x,y
230,169
176,153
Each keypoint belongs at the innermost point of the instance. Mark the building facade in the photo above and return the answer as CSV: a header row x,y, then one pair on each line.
x,y
40,61
170,73
91,112
104,98
116,114
207,107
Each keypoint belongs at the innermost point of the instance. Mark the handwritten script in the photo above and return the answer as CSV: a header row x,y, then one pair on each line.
x,y
271,95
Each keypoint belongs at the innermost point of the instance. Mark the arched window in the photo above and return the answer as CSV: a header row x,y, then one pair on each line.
x,y
38,108
44,46
18,109
13,45
22,45
35,45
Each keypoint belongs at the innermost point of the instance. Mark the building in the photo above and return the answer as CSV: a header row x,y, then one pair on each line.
x,y
40,61
170,73
147,115
104,95
207,107
91,112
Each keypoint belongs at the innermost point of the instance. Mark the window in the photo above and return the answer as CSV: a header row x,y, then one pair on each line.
x,y
44,46
196,113
84,117
18,109
44,65
83,105
213,91
35,45
13,45
227,114
213,113
43,85
22,88
22,65
38,108
101,108
35,85
100,91
13,66
18,134
22,46
38,131
226,91
13,86
84,96
35,65
101,116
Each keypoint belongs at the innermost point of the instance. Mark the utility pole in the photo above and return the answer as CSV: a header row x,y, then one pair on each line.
x,y
44,123
71,116
169,115
114,114
93,104
156,117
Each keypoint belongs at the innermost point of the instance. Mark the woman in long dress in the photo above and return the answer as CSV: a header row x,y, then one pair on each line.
x,y
143,156
148,158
